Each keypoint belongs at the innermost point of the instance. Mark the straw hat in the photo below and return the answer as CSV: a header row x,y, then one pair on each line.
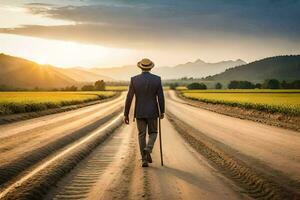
x,y
146,64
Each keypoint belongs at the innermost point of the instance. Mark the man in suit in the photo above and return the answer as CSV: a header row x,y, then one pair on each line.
x,y
149,105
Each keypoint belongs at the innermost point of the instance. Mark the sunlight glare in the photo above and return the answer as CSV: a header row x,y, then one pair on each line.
x,y
64,53
41,61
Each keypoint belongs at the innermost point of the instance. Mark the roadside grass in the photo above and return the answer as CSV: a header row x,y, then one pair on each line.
x,y
21,102
281,101
185,90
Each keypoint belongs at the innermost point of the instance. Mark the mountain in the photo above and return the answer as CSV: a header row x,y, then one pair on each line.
x,y
18,72
83,75
22,73
279,67
197,69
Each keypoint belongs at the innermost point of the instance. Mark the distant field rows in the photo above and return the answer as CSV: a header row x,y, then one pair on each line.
x,y
20,102
282,101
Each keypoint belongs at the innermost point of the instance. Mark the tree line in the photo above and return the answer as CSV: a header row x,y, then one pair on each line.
x,y
267,84
97,86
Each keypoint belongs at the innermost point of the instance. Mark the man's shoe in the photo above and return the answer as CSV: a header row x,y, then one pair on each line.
x,y
145,164
148,156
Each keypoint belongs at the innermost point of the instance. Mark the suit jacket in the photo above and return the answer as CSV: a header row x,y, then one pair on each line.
x,y
149,96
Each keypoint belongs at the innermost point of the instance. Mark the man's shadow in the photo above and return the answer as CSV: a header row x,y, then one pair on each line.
x,y
185,176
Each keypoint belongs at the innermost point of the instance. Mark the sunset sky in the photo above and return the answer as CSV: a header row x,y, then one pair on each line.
x,y
108,33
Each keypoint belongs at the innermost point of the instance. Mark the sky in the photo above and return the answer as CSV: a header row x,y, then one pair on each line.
x,y
108,33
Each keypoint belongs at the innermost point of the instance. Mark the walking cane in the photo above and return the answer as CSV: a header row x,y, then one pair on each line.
x,y
160,142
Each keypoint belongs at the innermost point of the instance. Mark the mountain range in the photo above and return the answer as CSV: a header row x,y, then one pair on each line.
x,y
197,69
21,73
278,67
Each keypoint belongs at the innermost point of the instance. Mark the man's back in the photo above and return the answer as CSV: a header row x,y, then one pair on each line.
x,y
148,91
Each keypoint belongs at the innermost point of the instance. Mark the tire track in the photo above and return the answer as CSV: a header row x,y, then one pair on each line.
x,y
36,183
257,184
79,183
105,174
13,169
52,121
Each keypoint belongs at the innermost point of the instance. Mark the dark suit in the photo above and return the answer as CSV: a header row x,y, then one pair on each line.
x,y
149,96
149,102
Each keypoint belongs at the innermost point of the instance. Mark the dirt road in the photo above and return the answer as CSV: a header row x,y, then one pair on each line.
x,y
111,165
23,144
274,147
186,174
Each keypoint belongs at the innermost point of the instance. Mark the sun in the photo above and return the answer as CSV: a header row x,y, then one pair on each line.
x,y
41,61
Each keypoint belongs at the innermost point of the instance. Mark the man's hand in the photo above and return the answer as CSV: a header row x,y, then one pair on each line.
x,y
126,119
162,115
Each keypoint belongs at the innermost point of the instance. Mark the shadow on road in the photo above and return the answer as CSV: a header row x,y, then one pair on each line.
x,y
169,172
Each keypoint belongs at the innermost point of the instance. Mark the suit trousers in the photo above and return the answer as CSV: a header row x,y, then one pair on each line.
x,y
142,125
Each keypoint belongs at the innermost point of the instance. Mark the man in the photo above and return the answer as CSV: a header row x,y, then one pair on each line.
x,y
149,105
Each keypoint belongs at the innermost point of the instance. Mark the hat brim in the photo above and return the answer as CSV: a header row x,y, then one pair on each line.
x,y
140,65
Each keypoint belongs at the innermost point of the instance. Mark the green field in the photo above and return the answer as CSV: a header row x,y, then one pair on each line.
x,y
20,102
282,101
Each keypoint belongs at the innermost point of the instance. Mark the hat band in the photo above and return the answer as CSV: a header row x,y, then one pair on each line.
x,y
147,65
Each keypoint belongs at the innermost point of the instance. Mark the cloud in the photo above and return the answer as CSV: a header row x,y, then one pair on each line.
x,y
39,4
150,24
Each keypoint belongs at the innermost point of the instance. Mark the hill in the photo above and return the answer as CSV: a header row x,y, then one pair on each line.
x,y
19,72
82,75
197,69
279,67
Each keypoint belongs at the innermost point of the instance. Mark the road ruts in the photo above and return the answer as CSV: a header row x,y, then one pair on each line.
x,y
36,183
23,144
262,158
94,175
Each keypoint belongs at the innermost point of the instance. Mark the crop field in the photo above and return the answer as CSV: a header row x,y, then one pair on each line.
x,y
20,102
180,88
116,88
282,101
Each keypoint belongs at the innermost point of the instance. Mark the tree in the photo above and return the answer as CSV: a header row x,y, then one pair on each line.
x,y
271,84
173,86
241,85
284,85
72,88
184,78
88,88
233,85
246,85
100,85
197,86
219,86
296,84
258,85
290,85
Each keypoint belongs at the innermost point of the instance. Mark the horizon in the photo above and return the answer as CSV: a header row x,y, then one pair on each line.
x,y
133,64
119,33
